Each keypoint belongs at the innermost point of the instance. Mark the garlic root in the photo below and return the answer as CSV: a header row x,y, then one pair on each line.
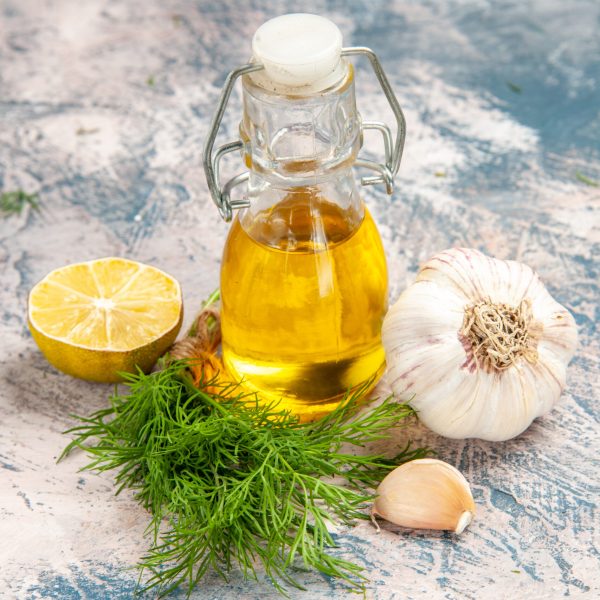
x,y
425,494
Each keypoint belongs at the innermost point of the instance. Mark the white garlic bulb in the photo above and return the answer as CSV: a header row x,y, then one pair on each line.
x,y
425,494
478,346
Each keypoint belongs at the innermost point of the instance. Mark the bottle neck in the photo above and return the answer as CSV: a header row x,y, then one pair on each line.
x,y
300,140
300,150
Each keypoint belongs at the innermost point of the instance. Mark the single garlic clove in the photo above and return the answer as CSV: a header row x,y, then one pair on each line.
x,y
425,494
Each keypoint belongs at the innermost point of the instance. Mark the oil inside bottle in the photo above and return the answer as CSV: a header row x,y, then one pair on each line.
x,y
304,288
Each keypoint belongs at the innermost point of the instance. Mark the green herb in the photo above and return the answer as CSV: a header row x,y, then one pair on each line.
x,y
581,177
150,80
440,174
13,203
517,571
513,87
233,483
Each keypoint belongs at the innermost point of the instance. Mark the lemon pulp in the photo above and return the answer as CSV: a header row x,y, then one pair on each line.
x,y
95,319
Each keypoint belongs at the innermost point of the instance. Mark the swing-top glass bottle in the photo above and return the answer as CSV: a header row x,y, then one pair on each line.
x,y
303,276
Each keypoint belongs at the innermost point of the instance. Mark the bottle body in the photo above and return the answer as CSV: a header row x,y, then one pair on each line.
x,y
303,324
303,276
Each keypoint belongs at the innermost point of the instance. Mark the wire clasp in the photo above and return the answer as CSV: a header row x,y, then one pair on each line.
x,y
221,194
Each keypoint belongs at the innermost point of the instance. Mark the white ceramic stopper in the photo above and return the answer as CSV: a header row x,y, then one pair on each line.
x,y
299,51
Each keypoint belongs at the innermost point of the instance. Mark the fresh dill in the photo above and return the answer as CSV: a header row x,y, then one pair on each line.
x,y
587,180
13,203
513,87
231,483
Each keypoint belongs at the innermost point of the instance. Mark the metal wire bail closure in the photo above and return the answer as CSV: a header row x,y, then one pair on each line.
x,y
385,171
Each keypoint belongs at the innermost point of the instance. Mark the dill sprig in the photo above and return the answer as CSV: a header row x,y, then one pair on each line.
x,y
13,203
587,180
233,483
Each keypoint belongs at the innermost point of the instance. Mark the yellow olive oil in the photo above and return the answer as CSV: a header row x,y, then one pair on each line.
x,y
304,292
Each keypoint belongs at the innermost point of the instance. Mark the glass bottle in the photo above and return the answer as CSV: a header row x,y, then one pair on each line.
x,y
303,276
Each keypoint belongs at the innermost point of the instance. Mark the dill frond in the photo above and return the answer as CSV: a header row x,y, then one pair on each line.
x,y
233,483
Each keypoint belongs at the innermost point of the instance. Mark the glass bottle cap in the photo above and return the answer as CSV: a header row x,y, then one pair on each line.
x,y
299,51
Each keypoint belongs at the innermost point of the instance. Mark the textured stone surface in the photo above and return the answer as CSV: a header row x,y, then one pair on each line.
x,y
103,110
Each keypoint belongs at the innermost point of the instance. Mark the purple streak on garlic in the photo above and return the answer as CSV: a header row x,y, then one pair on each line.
x,y
478,346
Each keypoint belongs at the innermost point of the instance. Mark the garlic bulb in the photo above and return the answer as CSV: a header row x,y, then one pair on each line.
x,y
425,494
478,346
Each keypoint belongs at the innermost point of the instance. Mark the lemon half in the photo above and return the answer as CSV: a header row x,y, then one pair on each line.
x,y
95,319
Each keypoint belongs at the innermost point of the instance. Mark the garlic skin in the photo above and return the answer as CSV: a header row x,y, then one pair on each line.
x,y
478,346
425,494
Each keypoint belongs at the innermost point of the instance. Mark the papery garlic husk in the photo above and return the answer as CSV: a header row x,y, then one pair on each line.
x,y
478,346
425,494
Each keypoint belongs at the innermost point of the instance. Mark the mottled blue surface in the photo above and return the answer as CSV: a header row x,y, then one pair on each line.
x,y
104,107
